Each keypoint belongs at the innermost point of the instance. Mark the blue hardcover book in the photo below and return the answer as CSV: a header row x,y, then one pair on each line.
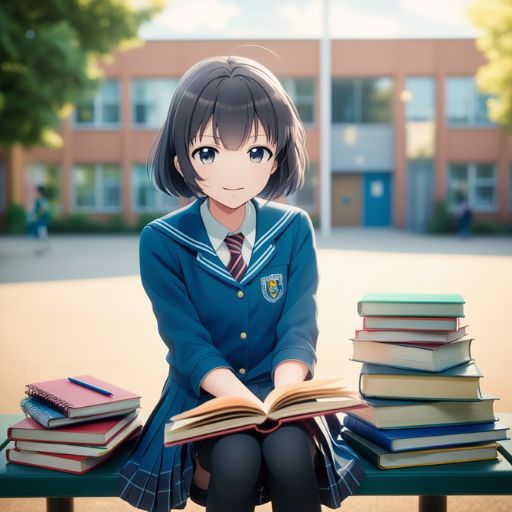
x,y
51,418
458,383
396,440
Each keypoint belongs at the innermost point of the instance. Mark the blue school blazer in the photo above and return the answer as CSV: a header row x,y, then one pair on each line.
x,y
209,320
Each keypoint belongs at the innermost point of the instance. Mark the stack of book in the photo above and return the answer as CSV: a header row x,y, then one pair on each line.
x,y
74,424
421,384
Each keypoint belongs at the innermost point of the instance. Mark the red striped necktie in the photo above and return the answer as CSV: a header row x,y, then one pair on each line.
x,y
236,265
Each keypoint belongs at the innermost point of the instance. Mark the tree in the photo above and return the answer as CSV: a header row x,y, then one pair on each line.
x,y
48,59
494,18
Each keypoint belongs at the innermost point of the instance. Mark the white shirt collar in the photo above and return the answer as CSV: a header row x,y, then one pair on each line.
x,y
217,231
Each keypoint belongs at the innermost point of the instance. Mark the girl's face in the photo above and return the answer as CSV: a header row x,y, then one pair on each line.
x,y
232,177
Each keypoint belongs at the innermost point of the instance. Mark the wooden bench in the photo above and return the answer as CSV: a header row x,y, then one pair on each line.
x,y
432,484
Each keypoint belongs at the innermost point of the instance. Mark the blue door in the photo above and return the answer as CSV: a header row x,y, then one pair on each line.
x,y
377,199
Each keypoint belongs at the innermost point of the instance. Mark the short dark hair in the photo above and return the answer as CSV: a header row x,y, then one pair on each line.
x,y
235,93
41,189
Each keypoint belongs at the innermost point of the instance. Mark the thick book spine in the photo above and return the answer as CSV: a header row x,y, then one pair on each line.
x,y
366,430
48,398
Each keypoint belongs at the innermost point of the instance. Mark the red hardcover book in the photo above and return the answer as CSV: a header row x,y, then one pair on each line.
x,y
81,449
97,433
77,401
75,464
409,336
411,323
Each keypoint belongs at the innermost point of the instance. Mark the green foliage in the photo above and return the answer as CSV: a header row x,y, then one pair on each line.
x,y
84,223
494,20
48,52
442,220
145,218
491,228
16,219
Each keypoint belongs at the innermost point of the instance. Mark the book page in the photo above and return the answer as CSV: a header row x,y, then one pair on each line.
x,y
211,418
221,403
315,406
303,391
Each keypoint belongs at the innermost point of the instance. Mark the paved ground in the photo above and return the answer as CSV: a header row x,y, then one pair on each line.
x,y
87,256
81,309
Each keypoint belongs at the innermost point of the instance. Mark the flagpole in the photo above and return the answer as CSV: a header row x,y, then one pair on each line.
x,y
325,123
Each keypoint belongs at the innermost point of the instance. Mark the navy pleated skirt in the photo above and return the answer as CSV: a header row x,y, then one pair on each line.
x,y
157,478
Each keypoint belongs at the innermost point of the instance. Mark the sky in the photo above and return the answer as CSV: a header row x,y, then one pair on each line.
x,y
289,19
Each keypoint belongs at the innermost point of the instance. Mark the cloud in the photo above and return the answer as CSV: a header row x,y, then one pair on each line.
x,y
299,20
445,12
182,17
345,20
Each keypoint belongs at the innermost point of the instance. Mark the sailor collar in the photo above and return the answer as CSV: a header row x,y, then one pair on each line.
x,y
186,227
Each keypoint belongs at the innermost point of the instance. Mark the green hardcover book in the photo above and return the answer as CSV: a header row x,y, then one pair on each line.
x,y
411,304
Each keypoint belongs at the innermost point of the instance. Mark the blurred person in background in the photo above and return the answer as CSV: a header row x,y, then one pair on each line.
x,y
464,215
39,218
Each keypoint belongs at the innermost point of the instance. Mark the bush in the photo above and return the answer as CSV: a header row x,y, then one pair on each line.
x,y
491,228
145,218
16,219
442,220
84,223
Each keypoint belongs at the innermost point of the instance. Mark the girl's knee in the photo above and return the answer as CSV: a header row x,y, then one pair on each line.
x,y
289,453
236,457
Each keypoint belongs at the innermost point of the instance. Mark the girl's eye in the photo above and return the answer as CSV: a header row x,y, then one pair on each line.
x,y
205,155
259,154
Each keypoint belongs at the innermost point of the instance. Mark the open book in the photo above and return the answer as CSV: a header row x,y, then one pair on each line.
x,y
293,402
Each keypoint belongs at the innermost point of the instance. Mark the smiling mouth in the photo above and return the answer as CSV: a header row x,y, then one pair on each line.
x,y
225,188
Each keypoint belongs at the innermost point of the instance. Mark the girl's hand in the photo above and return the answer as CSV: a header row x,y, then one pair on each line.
x,y
223,382
289,372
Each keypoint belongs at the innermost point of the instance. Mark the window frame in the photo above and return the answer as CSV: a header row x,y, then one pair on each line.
x,y
290,86
98,102
135,102
357,91
474,96
159,197
99,195
472,183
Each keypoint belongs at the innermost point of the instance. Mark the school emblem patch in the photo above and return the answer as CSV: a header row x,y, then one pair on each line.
x,y
272,287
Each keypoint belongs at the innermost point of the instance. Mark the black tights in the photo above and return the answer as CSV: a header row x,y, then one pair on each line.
x,y
236,461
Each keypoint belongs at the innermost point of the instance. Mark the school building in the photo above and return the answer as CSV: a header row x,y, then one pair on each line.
x,y
408,127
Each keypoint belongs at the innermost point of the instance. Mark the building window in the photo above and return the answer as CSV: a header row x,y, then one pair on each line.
x,y
305,197
146,197
150,101
97,187
102,111
465,105
48,175
362,100
420,98
474,182
302,93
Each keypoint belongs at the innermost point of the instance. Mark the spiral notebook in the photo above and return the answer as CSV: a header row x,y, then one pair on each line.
x,y
76,401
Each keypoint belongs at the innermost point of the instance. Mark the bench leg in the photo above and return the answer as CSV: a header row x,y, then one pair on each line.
x,y
59,505
432,504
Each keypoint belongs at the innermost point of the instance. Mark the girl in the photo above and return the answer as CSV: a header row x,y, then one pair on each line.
x,y
38,221
232,280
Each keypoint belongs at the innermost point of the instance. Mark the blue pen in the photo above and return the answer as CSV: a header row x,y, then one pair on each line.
x,y
90,386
